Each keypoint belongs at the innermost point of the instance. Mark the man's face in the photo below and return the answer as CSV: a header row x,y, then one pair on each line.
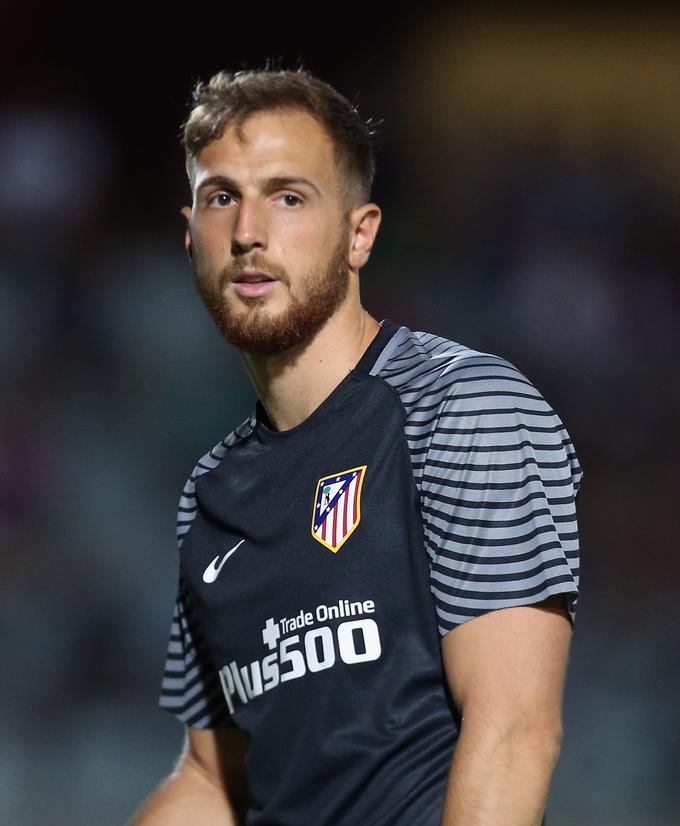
x,y
270,204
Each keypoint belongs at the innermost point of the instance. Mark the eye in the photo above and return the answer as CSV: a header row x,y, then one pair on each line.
x,y
219,198
295,198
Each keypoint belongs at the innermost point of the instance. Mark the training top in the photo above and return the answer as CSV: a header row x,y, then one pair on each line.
x,y
320,566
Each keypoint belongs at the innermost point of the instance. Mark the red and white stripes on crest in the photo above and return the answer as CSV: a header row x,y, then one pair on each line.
x,y
341,518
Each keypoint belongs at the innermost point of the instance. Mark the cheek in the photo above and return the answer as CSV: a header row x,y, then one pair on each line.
x,y
211,236
213,257
305,248
303,232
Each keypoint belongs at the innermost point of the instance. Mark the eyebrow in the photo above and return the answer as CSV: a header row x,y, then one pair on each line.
x,y
267,184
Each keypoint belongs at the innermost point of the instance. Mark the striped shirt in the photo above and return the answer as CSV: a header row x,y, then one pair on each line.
x,y
433,485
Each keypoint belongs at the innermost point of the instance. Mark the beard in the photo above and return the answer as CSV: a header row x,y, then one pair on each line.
x,y
253,328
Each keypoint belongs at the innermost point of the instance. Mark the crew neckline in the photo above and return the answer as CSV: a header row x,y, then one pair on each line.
x,y
387,330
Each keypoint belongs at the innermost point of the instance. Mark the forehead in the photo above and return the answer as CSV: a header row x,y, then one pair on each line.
x,y
279,142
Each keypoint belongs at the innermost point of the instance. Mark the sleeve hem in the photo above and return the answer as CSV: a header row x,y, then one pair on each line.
x,y
567,590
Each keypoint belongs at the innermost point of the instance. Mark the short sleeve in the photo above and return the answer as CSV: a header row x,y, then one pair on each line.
x,y
499,487
191,687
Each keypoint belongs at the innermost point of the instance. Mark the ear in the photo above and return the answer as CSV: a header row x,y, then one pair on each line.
x,y
365,222
186,212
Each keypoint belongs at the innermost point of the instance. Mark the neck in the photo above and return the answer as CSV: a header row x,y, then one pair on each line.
x,y
292,384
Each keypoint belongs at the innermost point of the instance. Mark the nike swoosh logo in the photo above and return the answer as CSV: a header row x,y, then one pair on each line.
x,y
213,570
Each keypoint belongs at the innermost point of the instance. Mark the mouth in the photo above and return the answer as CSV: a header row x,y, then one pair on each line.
x,y
254,284
252,277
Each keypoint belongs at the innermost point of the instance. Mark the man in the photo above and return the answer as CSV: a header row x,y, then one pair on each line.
x,y
379,567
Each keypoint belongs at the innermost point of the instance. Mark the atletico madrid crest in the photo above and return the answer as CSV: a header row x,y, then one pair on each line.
x,y
337,507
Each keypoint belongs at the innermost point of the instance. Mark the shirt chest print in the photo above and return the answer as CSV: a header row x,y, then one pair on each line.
x,y
337,507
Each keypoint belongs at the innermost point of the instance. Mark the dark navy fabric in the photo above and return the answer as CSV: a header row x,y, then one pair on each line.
x,y
449,486
353,743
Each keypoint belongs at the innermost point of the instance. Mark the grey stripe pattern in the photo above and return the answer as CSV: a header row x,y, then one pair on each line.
x,y
497,474
498,479
190,687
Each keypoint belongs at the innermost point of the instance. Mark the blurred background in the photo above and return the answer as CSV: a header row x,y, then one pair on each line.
x,y
529,176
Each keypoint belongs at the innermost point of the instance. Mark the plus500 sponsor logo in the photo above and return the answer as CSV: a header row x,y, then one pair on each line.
x,y
353,641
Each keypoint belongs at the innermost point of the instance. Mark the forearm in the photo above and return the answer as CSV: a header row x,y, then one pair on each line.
x,y
187,798
500,778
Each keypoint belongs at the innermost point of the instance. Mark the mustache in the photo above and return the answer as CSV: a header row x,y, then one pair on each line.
x,y
232,270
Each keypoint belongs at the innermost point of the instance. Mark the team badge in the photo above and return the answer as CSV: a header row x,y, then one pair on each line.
x,y
337,507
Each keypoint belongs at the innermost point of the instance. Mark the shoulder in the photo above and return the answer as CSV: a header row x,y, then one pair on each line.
x,y
466,401
208,461
431,371
497,475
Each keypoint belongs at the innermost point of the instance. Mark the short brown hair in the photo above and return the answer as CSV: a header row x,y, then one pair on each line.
x,y
230,98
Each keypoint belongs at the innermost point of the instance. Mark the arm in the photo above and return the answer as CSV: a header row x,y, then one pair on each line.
x,y
506,672
208,786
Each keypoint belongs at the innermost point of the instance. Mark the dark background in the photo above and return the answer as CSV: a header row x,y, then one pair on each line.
x,y
529,176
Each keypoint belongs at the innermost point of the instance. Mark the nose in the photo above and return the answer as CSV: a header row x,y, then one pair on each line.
x,y
249,230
